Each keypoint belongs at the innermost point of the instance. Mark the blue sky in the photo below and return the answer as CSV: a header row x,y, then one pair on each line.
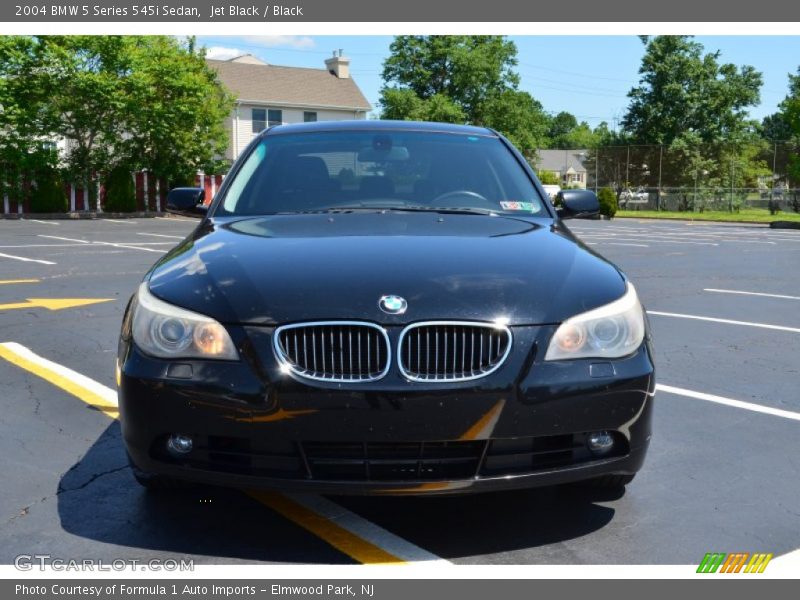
x,y
588,76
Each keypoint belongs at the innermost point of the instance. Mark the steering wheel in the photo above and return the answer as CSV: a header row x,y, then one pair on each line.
x,y
456,193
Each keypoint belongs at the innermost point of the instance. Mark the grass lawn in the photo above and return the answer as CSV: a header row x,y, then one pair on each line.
x,y
745,215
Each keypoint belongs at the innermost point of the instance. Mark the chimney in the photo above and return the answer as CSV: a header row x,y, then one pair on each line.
x,y
338,65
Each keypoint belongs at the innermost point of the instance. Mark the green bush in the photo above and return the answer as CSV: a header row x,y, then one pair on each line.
x,y
120,191
548,178
48,196
608,202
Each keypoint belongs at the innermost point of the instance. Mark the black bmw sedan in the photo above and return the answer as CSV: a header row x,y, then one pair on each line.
x,y
379,307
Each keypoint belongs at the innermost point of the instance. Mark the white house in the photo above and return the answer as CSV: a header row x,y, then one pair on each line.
x,y
270,94
568,165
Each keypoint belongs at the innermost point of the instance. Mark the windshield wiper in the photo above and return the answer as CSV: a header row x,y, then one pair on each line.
x,y
447,210
460,210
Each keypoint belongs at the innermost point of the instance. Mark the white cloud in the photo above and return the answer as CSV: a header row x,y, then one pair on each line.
x,y
273,41
222,53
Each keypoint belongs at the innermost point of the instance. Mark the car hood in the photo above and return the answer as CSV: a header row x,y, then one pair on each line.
x,y
284,268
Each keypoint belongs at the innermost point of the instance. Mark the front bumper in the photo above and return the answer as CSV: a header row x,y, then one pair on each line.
x,y
255,427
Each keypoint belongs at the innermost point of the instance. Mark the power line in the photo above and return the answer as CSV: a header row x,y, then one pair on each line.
x,y
588,75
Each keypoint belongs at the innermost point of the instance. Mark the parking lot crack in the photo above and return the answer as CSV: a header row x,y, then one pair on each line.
x,y
25,510
91,480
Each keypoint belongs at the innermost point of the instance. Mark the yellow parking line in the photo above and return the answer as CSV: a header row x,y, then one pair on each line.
x,y
92,393
10,281
350,544
349,533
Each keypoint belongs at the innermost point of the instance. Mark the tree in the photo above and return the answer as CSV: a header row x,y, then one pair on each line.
x,y
691,112
176,109
88,104
776,127
461,79
560,126
113,102
25,154
790,108
682,90
519,116
120,191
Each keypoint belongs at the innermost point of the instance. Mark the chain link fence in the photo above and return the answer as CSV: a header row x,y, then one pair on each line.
x,y
727,177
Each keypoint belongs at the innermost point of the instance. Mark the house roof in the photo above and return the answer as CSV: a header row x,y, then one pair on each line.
x,y
557,160
292,86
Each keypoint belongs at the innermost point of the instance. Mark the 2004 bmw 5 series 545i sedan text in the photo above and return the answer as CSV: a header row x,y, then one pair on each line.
x,y
381,307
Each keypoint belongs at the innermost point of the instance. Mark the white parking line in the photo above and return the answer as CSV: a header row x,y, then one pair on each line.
x,y
366,530
23,259
727,321
43,246
119,221
648,239
42,222
161,235
128,245
685,238
618,244
63,239
751,294
760,408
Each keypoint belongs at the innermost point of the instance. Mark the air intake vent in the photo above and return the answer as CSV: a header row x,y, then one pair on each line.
x,y
452,350
351,351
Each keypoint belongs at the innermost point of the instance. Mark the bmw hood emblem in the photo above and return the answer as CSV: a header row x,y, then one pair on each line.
x,y
393,305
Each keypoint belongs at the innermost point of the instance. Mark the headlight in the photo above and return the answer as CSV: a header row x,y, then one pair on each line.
x,y
611,331
166,331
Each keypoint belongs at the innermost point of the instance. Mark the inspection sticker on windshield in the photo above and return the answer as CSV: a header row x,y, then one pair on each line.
x,y
508,205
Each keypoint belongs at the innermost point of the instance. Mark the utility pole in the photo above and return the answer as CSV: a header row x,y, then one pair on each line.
x,y
730,200
660,159
596,170
627,167
774,174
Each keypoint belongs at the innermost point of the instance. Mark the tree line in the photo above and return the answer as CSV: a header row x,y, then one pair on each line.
x,y
118,104
688,105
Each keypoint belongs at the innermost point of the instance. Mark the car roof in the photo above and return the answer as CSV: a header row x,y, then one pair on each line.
x,y
378,125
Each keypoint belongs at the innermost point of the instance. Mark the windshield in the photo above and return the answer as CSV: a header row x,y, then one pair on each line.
x,y
393,170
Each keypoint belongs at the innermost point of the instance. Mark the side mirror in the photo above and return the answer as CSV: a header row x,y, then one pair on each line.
x,y
187,201
577,204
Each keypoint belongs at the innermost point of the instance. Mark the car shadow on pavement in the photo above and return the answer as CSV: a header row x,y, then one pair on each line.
x,y
99,500
479,525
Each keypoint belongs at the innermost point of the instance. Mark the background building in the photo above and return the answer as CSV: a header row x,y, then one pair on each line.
x,y
269,94
568,165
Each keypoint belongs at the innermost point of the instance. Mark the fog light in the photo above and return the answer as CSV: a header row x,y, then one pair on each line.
x,y
179,445
600,442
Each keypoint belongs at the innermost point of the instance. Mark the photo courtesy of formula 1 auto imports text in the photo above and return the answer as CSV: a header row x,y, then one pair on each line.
x,y
367,300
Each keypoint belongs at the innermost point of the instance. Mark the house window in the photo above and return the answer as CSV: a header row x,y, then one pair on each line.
x,y
275,117
259,120
309,117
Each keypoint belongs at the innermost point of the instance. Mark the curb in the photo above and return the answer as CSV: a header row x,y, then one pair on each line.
x,y
696,220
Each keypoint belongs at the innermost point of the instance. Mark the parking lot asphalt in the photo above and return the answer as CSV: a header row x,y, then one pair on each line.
x,y
721,475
